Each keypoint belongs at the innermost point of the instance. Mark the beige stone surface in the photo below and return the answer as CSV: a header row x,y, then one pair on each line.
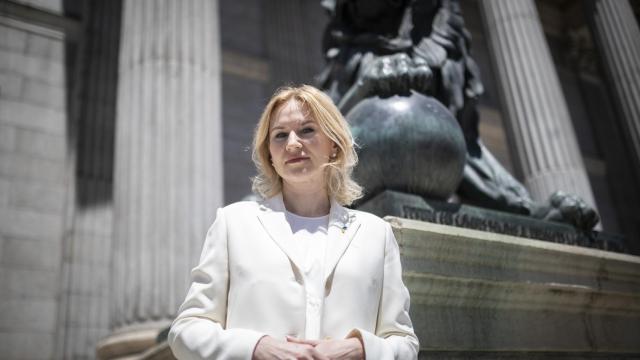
x,y
37,196
11,84
478,291
45,70
33,160
19,344
32,116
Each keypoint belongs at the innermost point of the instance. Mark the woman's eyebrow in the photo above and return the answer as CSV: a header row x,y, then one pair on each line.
x,y
305,122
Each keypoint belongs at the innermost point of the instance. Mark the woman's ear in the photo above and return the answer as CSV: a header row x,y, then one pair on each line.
x,y
334,151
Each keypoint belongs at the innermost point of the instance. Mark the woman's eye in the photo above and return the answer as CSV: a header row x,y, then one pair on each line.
x,y
280,135
307,130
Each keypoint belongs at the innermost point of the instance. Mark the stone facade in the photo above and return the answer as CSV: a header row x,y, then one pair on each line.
x,y
58,90
33,185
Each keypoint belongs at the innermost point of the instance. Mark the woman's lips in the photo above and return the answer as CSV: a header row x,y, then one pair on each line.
x,y
296,160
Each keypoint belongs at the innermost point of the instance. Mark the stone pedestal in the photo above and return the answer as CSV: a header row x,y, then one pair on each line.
x,y
477,294
168,170
618,38
538,121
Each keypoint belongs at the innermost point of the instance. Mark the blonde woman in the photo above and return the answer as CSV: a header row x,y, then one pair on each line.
x,y
298,275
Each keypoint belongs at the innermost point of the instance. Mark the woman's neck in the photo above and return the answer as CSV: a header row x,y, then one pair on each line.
x,y
306,202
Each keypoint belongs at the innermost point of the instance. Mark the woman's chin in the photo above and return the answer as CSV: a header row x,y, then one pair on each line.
x,y
302,176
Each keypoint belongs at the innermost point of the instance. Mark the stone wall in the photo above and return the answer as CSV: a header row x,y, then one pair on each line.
x,y
32,185
477,294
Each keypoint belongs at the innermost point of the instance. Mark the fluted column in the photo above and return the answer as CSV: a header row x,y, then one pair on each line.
x,y
85,300
538,119
618,38
168,176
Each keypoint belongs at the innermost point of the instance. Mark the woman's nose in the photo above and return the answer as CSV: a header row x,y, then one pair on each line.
x,y
293,143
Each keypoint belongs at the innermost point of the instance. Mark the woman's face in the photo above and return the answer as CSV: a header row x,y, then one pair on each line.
x,y
298,146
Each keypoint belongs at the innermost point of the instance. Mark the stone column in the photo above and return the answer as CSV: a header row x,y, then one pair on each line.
x,y
538,121
168,170
618,38
84,303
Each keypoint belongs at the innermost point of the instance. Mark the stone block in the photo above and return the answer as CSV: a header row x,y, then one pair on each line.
x,y
478,292
7,137
12,39
88,311
4,280
32,117
58,52
79,306
20,167
10,85
82,281
40,144
29,283
43,94
93,315
37,315
81,342
103,311
37,196
40,46
96,222
35,255
27,345
30,225
91,250
5,186
45,70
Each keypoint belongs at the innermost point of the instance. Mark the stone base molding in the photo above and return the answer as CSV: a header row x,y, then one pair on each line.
x,y
478,293
132,342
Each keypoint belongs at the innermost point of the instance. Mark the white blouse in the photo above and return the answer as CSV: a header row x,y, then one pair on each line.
x,y
309,242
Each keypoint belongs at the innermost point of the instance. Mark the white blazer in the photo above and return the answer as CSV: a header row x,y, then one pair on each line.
x,y
248,284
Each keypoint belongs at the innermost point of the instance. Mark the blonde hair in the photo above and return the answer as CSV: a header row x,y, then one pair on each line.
x,y
338,170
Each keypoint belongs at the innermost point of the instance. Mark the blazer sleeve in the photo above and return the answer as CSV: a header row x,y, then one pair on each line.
x,y
199,331
394,337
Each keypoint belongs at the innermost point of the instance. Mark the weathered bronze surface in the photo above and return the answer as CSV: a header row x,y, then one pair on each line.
x,y
419,135
376,49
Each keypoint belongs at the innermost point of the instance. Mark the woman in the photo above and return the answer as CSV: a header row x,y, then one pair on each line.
x,y
298,276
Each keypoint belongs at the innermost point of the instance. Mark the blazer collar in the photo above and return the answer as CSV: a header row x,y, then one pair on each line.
x,y
343,225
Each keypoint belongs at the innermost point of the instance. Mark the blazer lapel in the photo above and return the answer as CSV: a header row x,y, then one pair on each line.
x,y
343,226
272,217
